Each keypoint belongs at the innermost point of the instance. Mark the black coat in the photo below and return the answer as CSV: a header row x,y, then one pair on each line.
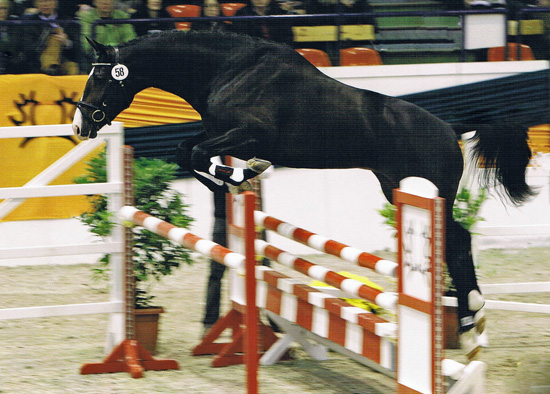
x,y
34,39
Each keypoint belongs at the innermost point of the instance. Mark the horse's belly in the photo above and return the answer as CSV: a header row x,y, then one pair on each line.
x,y
325,150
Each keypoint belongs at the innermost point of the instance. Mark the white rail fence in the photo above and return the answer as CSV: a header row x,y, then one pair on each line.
x,y
112,137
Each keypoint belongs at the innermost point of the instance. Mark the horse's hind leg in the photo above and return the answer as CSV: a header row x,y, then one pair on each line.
x,y
460,265
461,269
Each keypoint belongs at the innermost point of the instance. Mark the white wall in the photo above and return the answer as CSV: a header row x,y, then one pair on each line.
x,y
398,80
519,227
340,204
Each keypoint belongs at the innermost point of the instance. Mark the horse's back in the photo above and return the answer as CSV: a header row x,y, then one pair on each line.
x,y
303,118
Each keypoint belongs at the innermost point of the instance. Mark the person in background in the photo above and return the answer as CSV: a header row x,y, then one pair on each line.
x,y
10,56
73,8
49,47
152,9
104,34
214,286
342,7
274,30
22,7
210,8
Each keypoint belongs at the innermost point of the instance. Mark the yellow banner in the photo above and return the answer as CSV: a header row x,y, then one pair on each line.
x,y
37,99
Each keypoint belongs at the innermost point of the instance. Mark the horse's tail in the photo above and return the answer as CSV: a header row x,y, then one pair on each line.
x,y
503,150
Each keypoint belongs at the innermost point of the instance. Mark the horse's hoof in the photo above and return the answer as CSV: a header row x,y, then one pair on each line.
x,y
243,187
475,300
470,344
258,165
480,322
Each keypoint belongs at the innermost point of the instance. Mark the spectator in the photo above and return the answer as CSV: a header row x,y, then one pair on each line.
x,y
342,7
275,30
152,9
72,8
104,34
129,6
210,8
21,7
9,54
49,47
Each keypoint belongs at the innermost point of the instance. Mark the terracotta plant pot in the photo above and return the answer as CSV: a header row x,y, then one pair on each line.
x,y
147,324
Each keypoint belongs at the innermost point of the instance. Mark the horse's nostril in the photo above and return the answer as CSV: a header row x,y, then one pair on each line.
x,y
76,130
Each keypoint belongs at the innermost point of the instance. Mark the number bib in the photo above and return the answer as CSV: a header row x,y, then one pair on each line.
x,y
119,72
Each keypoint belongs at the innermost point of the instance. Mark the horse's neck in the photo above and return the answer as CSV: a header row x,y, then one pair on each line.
x,y
186,75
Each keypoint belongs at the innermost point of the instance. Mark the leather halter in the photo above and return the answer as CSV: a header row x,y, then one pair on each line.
x,y
99,114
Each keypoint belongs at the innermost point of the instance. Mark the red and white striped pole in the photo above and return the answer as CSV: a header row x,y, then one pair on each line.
x,y
327,245
353,287
223,256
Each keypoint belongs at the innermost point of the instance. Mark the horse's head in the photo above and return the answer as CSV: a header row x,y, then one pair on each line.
x,y
106,93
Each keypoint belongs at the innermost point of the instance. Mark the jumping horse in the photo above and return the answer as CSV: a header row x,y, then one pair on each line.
x,y
263,102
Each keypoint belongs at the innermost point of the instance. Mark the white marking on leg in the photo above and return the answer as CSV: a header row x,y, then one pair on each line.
x,y
238,175
210,178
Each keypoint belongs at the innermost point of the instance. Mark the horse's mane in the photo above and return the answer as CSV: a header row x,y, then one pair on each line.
x,y
200,37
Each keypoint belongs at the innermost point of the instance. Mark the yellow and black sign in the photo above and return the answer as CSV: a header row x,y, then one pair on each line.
x,y
37,99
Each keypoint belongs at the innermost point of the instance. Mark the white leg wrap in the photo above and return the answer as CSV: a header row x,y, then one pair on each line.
x,y
238,175
210,178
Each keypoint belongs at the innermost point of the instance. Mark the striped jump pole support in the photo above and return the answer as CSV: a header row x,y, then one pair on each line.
x,y
244,340
129,356
310,314
305,313
421,250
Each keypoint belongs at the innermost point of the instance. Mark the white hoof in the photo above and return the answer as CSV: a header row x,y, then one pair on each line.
x,y
258,165
480,321
475,300
470,344
243,187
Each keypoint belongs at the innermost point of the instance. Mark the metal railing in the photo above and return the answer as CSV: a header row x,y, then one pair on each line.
x,y
337,20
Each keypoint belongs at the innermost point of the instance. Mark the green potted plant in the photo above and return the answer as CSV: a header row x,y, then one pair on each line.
x,y
466,212
154,256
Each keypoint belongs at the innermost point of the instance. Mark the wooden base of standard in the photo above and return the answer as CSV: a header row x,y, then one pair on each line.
x,y
130,356
231,353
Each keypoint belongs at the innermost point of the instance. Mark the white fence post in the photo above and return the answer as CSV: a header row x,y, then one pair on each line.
x,y
38,187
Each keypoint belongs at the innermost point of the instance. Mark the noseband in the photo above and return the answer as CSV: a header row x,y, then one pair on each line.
x,y
99,114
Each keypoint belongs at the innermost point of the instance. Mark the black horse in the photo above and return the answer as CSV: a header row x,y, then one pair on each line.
x,y
262,99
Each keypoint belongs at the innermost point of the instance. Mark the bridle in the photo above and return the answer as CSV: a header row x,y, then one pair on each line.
x,y
99,114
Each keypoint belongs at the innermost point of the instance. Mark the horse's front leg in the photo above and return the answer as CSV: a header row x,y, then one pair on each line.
x,y
184,152
205,157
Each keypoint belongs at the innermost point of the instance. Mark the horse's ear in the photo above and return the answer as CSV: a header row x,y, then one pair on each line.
x,y
98,48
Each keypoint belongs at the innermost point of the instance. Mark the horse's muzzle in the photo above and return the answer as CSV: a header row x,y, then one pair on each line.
x,y
76,131
78,128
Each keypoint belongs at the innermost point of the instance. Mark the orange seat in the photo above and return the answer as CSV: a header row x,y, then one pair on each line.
x,y
183,11
359,57
315,56
496,54
229,9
